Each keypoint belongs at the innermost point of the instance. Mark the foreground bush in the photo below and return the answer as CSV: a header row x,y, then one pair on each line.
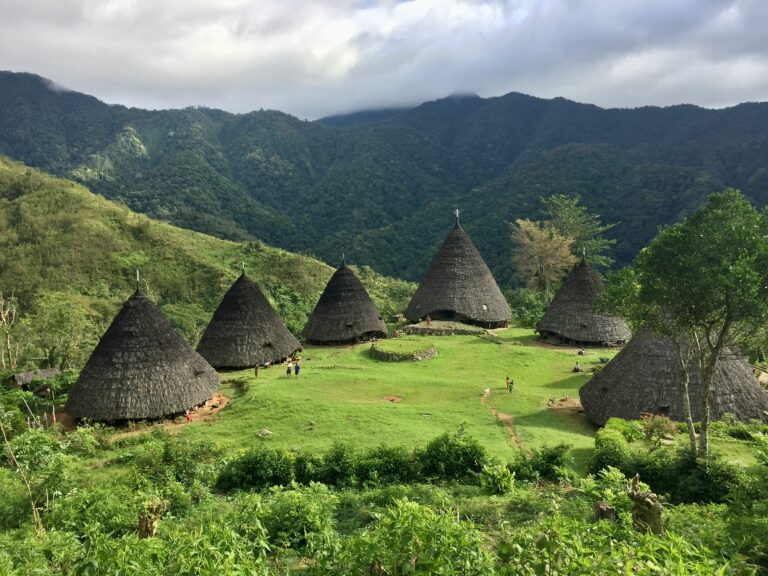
x,y
257,468
452,456
670,470
290,516
550,463
409,538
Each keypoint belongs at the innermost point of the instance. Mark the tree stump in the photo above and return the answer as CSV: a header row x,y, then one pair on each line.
x,y
604,511
646,512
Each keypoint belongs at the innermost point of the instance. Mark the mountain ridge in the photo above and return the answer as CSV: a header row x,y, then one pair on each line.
x,y
381,186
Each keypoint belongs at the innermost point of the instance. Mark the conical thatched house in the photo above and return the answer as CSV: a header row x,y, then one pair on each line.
x,y
344,313
245,330
571,315
141,369
459,286
643,378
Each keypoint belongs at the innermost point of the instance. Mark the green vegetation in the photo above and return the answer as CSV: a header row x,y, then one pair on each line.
x,y
380,187
704,283
66,292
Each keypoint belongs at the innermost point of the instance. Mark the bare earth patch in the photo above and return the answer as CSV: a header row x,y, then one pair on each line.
x,y
392,398
200,414
566,404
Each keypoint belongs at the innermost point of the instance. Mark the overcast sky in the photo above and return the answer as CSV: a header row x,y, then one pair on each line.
x,y
312,58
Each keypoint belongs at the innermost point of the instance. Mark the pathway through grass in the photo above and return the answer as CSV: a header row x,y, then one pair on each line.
x,y
345,395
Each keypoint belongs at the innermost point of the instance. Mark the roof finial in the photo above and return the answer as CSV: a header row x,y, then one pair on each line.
x,y
243,266
457,216
138,281
584,254
343,259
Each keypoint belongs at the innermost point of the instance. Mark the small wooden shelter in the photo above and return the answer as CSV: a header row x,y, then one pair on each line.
x,y
572,316
459,286
141,369
643,378
345,313
245,330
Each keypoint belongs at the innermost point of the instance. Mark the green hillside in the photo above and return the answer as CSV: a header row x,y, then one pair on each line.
x,y
380,186
57,236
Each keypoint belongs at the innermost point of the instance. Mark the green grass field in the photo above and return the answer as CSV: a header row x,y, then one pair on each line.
x,y
354,398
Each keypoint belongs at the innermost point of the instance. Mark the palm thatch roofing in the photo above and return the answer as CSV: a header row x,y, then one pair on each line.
x,y
245,330
459,286
571,316
141,369
643,378
344,313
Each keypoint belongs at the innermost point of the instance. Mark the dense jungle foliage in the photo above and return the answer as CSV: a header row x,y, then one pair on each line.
x,y
381,186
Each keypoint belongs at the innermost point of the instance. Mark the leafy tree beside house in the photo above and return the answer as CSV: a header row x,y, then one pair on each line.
x,y
704,283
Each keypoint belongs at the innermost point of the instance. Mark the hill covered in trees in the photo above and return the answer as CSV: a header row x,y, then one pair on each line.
x,y
68,256
380,186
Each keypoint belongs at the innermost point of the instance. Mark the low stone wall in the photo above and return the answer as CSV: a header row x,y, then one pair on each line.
x,y
415,356
451,330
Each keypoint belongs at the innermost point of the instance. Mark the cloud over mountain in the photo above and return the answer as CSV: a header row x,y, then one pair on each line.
x,y
318,57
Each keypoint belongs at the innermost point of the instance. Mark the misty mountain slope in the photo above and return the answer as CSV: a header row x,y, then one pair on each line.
x,y
382,185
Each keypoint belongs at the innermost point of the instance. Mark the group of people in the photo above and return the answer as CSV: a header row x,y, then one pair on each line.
x,y
293,366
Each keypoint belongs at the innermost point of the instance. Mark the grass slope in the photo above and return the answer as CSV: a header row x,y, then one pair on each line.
x,y
55,235
349,396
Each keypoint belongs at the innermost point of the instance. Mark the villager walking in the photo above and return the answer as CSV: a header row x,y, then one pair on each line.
x,y
288,369
296,367
510,384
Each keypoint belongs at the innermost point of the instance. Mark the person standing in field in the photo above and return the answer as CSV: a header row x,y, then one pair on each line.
x,y
510,384
289,369
296,367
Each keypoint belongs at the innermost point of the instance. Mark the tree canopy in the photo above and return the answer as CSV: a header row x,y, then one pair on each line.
x,y
701,281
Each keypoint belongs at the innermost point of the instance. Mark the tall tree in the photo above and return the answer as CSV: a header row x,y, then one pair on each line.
x,y
701,281
66,332
571,219
541,256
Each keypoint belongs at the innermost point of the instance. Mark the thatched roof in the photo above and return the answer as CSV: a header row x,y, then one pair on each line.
x,y
571,315
459,285
141,369
344,313
643,377
24,379
245,330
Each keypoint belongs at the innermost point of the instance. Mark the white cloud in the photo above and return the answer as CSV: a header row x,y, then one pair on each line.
x,y
316,57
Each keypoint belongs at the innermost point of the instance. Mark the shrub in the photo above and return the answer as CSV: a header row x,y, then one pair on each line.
x,y
338,467
115,509
259,467
167,458
631,429
657,428
409,539
497,479
307,468
528,306
386,465
452,456
549,463
611,449
290,515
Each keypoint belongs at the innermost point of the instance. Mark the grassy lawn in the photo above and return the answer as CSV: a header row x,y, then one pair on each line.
x,y
354,398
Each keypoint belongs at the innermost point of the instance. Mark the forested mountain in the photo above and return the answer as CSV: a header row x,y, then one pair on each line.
x,y
381,186
58,238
